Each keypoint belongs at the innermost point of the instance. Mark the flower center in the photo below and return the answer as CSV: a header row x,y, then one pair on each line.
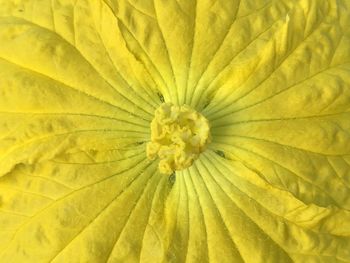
x,y
178,135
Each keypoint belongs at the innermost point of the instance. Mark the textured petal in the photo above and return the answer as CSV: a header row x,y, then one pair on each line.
x,y
79,83
290,125
296,228
72,133
55,216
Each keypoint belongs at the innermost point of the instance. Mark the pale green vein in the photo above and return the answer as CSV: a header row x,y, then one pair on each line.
x,y
89,63
305,179
15,189
223,138
217,49
236,205
159,188
184,101
104,209
143,50
133,5
206,251
295,85
36,139
77,90
13,213
127,30
308,231
283,60
49,180
178,227
199,95
217,210
188,225
171,238
126,94
141,152
168,55
73,192
231,124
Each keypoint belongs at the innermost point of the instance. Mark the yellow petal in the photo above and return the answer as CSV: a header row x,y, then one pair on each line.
x,y
79,84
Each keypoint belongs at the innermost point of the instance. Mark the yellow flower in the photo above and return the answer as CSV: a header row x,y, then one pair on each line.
x,y
174,131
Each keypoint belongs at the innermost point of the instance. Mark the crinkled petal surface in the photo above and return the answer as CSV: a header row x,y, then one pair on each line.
x,y
79,83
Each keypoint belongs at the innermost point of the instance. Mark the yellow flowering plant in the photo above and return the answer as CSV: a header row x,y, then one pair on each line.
x,y
174,131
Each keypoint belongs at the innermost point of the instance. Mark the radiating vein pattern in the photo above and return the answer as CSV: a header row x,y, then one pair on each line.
x,y
80,81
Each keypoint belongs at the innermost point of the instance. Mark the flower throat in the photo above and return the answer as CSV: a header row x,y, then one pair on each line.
x,y
179,135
